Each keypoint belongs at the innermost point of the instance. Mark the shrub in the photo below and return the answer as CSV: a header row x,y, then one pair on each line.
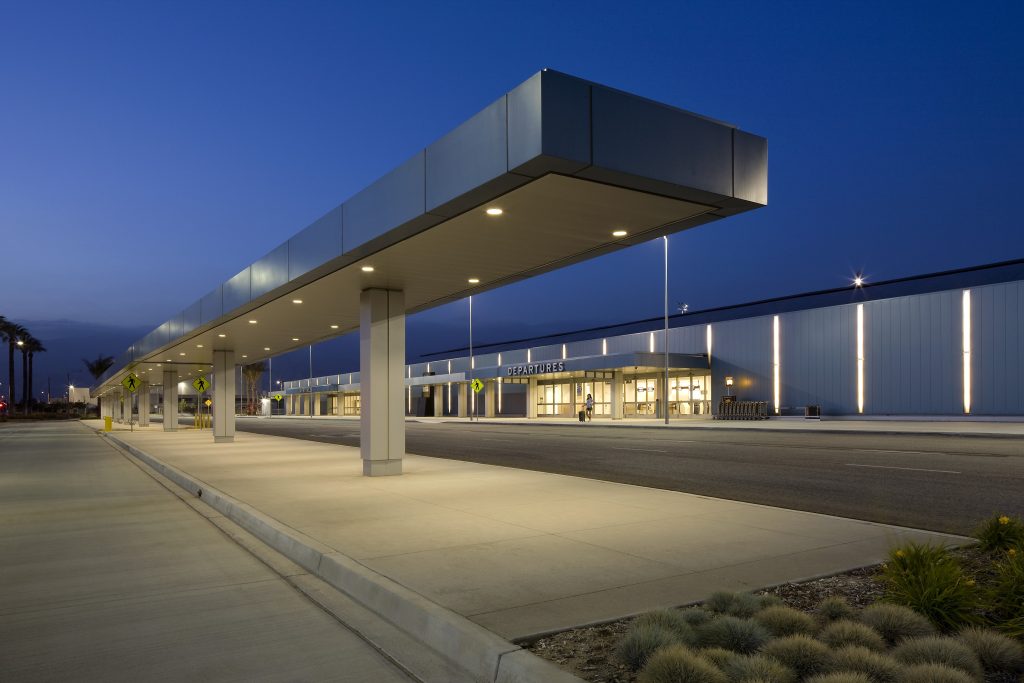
x,y
834,609
640,642
1006,598
801,653
719,656
878,667
733,604
845,632
1000,532
670,619
695,616
895,622
732,633
930,580
749,668
934,673
786,621
840,677
769,600
679,664
995,651
939,650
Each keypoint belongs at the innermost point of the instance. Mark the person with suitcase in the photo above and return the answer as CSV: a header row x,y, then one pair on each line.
x,y
590,407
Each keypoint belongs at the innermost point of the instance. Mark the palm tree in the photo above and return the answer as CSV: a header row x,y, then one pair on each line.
x,y
33,346
97,367
4,325
252,373
14,334
23,346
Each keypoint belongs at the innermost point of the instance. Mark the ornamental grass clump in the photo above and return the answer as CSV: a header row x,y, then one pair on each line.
x,y
733,604
732,633
1006,596
750,668
996,652
844,632
719,656
640,642
896,622
669,619
840,677
769,600
679,664
878,667
930,580
834,609
1000,532
803,654
786,621
939,650
934,673
695,616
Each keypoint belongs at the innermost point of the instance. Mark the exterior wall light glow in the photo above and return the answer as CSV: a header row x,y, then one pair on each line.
x,y
266,348
222,336
775,362
474,280
244,355
619,233
199,346
494,211
252,322
708,335
564,352
334,327
967,350
296,301
295,339
182,353
860,358
367,269
529,353
858,281
728,381
604,347
650,343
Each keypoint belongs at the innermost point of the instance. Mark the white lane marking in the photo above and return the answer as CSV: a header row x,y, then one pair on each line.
x,y
911,469
645,450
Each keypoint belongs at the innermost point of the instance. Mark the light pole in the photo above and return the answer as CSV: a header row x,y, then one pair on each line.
x,y
472,363
311,392
665,402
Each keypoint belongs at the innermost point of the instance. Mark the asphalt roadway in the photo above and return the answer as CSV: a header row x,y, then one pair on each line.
x,y
941,483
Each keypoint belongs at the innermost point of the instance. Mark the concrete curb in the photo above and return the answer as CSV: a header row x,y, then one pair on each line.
x,y
481,653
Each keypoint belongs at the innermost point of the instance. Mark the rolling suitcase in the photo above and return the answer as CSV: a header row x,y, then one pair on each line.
x,y
583,416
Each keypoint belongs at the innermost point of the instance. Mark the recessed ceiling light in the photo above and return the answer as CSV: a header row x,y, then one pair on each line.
x,y
159,365
295,339
494,211
244,356
619,233
182,353
474,280
367,269
266,348
296,301
222,335
168,360
334,327
199,346
252,322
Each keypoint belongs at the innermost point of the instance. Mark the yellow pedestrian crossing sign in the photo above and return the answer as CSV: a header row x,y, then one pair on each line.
x,y
478,386
208,403
131,382
277,397
201,384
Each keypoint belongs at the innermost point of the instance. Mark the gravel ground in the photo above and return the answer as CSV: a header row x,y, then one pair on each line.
x,y
587,652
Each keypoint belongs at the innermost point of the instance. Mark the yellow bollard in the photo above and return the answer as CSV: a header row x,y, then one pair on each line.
x,y
108,423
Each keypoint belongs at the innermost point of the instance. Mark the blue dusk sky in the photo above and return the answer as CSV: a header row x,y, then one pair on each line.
x,y
149,151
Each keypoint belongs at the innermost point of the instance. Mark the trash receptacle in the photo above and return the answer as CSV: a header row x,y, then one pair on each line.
x,y
812,412
108,423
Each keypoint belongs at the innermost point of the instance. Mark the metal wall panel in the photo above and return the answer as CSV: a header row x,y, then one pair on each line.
x,y
742,349
316,244
750,167
396,198
549,125
192,317
997,341
647,139
270,272
237,291
473,154
818,360
174,327
212,305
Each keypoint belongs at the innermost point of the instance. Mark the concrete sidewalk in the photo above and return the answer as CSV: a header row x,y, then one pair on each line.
x,y
520,552
106,575
895,425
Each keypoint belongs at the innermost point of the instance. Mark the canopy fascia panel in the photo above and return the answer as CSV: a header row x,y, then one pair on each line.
x,y
572,157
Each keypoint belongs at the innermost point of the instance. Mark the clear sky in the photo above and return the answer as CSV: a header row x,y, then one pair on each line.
x,y
149,151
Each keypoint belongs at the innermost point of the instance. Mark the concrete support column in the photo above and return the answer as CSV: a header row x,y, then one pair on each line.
x,y
144,404
381,370
170,400
316,398
531,398
437,394
119,404
463,399
618,393
223,396
289,404
490,399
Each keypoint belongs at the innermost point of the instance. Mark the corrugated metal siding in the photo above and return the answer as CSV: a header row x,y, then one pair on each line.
x,y
997,340
742,349
818,363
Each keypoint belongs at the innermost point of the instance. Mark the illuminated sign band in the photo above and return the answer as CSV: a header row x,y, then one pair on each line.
x,y
535,368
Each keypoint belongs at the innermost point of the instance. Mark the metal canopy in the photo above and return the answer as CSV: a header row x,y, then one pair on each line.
x,y
567,161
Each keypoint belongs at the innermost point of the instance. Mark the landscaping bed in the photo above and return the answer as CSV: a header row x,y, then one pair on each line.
x,y
960,591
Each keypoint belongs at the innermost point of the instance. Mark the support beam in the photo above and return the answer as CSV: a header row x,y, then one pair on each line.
x,y
618,393
170,400
490,399
223,396
437,394
144,404
381,367
463,399
317,401
531,398
120,405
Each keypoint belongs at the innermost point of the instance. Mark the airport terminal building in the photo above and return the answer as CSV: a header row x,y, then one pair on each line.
x,y
943,344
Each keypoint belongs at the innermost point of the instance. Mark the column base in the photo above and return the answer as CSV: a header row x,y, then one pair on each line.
x,y
381,468
170,429
223,439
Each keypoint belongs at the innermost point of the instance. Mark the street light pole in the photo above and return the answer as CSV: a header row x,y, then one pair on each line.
x,y
665,239
311,392
472,362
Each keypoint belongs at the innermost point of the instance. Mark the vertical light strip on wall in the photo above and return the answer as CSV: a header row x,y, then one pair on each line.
x,y
860,358
709,343
604,347
967,351
499,395
528,354
775,361
563,351
651,343
410,389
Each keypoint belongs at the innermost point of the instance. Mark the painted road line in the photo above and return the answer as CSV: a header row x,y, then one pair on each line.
x,y
645,450
910,469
